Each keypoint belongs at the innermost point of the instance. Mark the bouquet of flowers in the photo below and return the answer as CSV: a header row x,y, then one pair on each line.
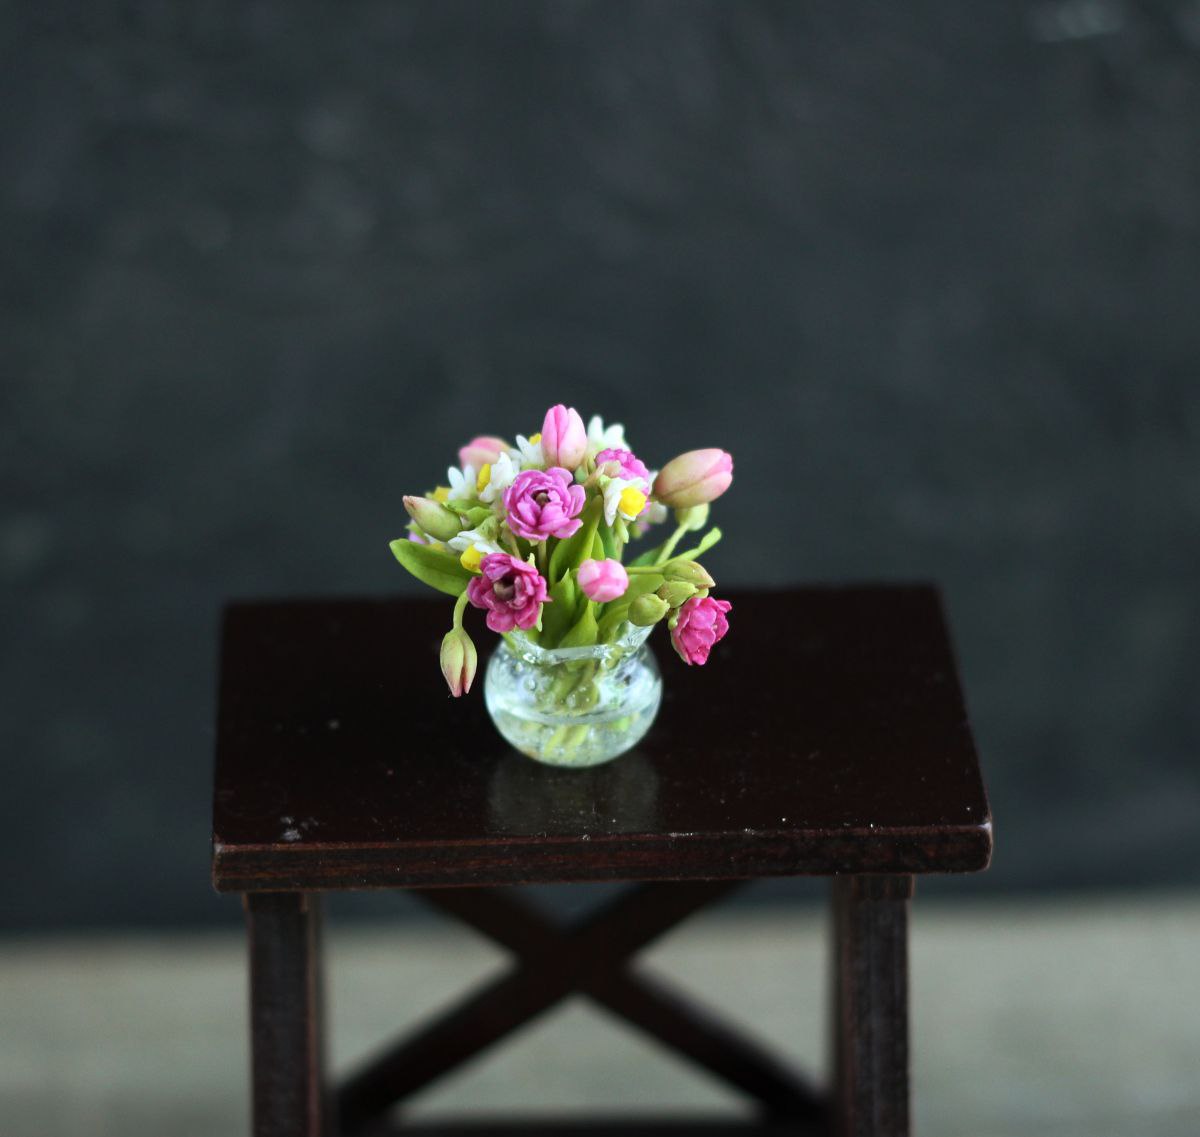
x,y
536,535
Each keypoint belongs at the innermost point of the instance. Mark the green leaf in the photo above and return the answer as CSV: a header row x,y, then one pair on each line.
x,y
435,567
584,632
476,516
559,615
572,552
610,541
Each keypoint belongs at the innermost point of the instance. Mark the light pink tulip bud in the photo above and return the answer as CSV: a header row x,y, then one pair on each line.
x,y
694,478
458,660
603,581
433,517
480,451
564,439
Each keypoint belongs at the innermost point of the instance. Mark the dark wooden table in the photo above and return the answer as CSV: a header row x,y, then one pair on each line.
x,y
827,736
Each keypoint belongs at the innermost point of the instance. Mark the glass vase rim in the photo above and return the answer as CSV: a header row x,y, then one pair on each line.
x,y
630,637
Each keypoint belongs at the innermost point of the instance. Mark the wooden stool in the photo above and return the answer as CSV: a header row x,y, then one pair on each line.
x,y
827,736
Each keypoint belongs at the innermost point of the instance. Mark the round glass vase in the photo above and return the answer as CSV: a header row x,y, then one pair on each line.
x,y
573,706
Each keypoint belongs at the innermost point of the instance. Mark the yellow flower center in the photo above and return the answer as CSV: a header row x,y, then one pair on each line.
x,y
535,438
485,476
470,558
631,502
441,494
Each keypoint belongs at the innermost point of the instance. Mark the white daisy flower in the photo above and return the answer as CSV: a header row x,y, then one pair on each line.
x,y
503,471
474,538
601,437
528,455
624,496
462,483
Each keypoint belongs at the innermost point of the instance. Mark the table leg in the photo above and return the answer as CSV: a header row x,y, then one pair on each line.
x,y
285,1014
870,1005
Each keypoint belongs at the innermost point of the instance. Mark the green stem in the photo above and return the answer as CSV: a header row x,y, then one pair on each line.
x,y
646,570
540,554
707,542
460,606
664,554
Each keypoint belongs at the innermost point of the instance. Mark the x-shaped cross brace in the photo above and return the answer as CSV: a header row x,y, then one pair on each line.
x,y
591,958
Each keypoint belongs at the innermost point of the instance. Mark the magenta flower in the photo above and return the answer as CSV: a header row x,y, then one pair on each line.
x,y
543,503
564,439
694,478
700,624
622,464
603,581
511,590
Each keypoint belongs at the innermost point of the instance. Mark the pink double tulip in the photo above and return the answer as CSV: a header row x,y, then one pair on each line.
x,y
564,439
544,503
480,451
700,624
511,590
694,478
603,581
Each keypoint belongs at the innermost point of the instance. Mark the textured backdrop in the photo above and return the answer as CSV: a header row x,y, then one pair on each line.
x,y
929,270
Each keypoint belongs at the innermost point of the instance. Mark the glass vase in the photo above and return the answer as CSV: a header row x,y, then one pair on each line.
x,y
573,706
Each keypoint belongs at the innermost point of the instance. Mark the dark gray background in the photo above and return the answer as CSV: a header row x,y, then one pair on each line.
x,y
929,270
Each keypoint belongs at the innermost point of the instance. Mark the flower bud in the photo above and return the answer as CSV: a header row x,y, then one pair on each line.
x,y
693,517
675,592
481,451
458,660
564,439
690,572
694,478
603,581
647,610
435,519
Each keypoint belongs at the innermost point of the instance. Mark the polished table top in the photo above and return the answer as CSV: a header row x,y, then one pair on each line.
x,y
827,734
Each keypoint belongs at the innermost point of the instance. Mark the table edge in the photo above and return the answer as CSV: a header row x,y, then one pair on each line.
x,y
600,857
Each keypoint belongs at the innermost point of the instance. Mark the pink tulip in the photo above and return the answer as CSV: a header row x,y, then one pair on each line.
x,y
603,581
480,451
544,503
694,478
700,624
511,590
564,439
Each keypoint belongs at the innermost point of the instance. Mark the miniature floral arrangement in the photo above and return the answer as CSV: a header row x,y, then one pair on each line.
x,y
535,535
